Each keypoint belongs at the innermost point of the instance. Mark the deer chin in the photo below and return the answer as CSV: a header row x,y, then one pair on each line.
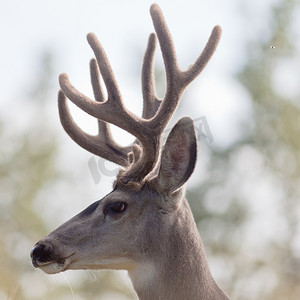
x,y
53,267
120,263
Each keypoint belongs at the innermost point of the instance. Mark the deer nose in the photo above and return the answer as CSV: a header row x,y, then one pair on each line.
x,y
39,254
36,253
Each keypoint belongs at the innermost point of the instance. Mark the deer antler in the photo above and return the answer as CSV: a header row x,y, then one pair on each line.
x,y
102,144
156,113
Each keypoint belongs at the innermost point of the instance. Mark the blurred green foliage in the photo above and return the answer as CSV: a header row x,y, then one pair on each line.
x,y
260,253
26,166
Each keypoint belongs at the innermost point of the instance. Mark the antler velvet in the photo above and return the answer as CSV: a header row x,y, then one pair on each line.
x,y
137,161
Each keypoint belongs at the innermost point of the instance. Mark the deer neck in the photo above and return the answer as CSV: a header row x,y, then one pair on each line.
x,y
179,270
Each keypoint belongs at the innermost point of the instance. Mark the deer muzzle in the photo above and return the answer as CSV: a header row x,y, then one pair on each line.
x,y
44,257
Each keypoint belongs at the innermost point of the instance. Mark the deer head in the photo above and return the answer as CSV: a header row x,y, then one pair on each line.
x,y
145,222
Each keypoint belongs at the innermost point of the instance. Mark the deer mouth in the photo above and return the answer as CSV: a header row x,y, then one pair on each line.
x,y
53,267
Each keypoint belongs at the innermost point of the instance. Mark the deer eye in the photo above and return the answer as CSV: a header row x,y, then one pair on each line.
x,y
116,207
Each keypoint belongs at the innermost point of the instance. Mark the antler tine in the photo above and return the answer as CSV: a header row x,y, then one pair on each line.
x,y
95,80
177,80
104,133
174,84
151,103
105,69
103,127
205,56
165,41
87,141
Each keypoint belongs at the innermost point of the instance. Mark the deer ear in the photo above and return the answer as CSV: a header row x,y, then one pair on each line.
x,y
178,157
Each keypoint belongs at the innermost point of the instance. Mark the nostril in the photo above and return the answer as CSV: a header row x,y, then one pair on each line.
x,y
37,254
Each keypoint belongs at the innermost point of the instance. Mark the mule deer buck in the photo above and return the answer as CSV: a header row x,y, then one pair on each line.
x,y
145,225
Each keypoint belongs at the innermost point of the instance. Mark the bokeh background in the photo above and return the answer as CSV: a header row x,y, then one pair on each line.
x,y
245,190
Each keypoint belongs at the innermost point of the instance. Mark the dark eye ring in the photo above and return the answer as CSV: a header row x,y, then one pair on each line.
x,y
115,207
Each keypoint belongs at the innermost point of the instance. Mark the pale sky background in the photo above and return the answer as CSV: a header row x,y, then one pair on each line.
x,y
29,28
